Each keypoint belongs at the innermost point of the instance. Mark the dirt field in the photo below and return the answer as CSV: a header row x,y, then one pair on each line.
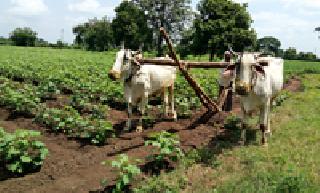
x,y
73,166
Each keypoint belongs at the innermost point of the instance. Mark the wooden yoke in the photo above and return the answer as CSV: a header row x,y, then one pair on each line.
x,y
186,64
205,100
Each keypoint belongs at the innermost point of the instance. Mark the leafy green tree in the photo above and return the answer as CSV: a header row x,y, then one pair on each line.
x,y
290,54
269,45
185,44
130,26
23,37
220,24
95,35
174,16
41,43
5,41
306,56
79,31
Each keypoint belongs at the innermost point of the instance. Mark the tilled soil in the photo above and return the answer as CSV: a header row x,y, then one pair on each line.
x,y
72,166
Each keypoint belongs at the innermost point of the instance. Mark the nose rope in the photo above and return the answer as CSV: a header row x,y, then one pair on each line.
x,y
248,87
253,78
132,71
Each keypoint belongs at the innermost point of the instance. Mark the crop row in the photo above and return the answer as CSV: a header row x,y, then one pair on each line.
x,y
25,99
19,99
71,123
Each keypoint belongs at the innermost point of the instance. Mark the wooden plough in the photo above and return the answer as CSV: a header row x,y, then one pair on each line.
x,y
211,105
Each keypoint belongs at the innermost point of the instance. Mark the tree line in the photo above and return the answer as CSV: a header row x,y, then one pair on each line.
x,y
216,26
29,38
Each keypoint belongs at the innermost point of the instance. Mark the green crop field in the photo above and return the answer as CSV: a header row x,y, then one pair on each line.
x,y
68,92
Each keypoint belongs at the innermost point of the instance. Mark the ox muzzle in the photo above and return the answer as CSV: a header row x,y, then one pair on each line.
x,y
242,88
114,75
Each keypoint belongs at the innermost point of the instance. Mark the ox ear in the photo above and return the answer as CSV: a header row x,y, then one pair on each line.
x,y
259,69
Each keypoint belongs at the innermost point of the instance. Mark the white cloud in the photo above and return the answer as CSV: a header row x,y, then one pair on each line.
x,y
84,6
243,1
27,7
302,3
90,6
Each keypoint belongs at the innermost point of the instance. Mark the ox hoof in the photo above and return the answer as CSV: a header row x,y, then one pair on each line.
x,y
139,129
174,116
264,143
242,142
171,116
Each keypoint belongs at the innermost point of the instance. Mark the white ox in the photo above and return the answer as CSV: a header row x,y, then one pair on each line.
x,y
257,85
143,81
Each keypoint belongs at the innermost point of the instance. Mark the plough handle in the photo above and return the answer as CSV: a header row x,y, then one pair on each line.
x,y
205,100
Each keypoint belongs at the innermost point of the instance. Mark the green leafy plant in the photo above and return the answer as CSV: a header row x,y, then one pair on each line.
x,y
232,122
47,89
20,151
70,122
99,111
284,95
79,101
127,172
167,144
22,100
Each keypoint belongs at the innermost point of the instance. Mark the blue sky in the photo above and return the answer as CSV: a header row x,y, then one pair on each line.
x,y
291,21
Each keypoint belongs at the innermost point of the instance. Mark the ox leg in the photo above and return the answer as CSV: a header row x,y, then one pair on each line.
x,y
264,121
244,126
173,114
269,127
165,102
143,104
129,121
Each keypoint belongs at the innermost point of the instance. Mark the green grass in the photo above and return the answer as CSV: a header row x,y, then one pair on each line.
x,y
299,67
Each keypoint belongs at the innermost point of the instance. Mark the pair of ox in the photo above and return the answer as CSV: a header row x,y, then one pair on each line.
x,y
257,81
142,81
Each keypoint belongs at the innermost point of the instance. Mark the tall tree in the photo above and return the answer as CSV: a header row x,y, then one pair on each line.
x,y
174,16
290,54
185,46
306,56
130,26
23,37
5,41
220,24
269,45
95,35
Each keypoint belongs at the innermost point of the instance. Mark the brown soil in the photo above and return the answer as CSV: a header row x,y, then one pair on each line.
x,y
74,167
294,85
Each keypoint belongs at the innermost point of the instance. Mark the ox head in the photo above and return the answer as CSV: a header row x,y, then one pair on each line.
x,y
122,65
244,70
